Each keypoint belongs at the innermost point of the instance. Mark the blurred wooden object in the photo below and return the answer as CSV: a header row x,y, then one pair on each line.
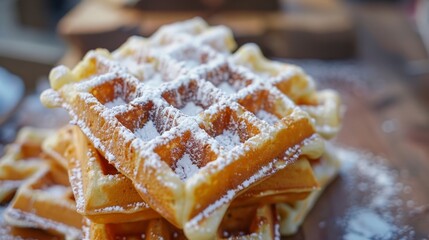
x,y
317,30
422,20
93,24
197,5
29,13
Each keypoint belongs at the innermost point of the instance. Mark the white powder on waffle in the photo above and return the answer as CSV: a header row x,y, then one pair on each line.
x,y
56,190
86,229
9,185
227,88
77,186
266,116
227,198
291,155
228,139
191,63
96,141
115,102
27,219
154,81
191,109
185,168
142,70
120,209
147,132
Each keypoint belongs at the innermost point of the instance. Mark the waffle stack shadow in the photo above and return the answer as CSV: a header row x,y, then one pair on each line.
x,y
177,137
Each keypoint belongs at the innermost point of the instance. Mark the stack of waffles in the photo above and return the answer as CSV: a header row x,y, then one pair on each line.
x,y
176,136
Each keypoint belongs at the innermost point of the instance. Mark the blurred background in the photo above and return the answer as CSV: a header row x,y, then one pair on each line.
x,y
325,36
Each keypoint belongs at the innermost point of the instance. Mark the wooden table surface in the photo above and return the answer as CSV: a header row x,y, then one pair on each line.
x,y
384,180
382,191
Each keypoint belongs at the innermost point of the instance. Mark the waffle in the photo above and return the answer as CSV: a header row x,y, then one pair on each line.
x,y
103,195
326,113
98,185
45,202
146,229
295,182
251,222
8,232
323,106
197,129
21,160
293,214
56,144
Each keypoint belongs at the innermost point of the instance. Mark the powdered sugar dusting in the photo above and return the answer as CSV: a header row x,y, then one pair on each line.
x,y
266,116
185,168
228,139
77,186
379,214
230,194
115,102
28,219
227,88
147,132
56,190
154,82
191,109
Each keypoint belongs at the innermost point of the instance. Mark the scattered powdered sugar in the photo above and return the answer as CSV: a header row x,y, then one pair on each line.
x,y
227,88
191,109
266,116
185,168
368,224
228,139
147,132
374,193
115,102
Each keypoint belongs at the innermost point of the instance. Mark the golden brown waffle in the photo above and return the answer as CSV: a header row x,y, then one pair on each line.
x,y
8,232
293,214
295,182
118,192
105,196
323,106
21,160
250,222
183,143
147,229
102,194
326,113
244,223
45,201
56,144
